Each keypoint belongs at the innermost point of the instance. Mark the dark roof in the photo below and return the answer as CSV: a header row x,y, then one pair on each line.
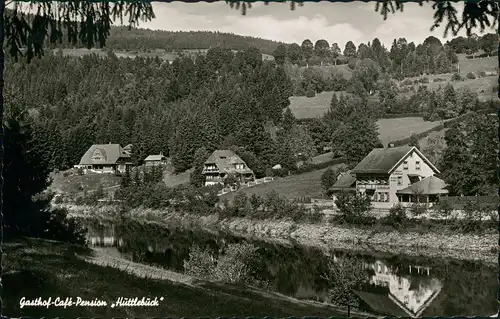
x,y
104,154
381,303
225,159
381,160
430,185
346,181
155,158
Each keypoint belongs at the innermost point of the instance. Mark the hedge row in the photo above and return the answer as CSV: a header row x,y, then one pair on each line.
x,y
402,115
312,167
423,134
482,55
383,116
462,117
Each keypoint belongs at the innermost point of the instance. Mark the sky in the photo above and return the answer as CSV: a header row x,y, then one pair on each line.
x,y
334,22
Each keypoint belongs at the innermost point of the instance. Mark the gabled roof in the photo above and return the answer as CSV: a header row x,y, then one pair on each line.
x,y
155,158
104,154
430,185
386,160
346,181
225,160
381,303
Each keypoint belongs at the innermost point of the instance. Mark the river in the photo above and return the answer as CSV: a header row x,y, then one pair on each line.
x,y
399,285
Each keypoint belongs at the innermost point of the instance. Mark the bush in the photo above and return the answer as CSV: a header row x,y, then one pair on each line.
x,y
470,76
456,77
353,208
235,265
407,82
439,80
424,80
60,227
482,74
396,217
474,214
310,93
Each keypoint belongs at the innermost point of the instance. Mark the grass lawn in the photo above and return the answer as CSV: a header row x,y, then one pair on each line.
x,y
478,64
36,268
322,158
293,186
71,184
172,180
399,128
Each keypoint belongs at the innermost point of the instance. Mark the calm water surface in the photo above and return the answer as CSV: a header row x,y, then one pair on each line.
x,y
400,285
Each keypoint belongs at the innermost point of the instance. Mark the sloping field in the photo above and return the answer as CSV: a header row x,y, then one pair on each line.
x,y
482,86
396,129
80,183
309,107
322,158
294,186
172,180
478,64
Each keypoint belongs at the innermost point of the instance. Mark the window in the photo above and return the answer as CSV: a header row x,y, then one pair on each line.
x,y
417,165
400,180
405,165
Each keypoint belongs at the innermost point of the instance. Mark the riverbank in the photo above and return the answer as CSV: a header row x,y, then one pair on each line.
x,y
49,268
322,235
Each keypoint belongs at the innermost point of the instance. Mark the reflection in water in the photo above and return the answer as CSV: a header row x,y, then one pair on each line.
x,y
398,286
411,293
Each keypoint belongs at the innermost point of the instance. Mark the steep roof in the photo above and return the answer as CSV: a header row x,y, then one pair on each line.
x,y
155,158
225,160
381,160
381,303
103,154
430,185
386,160
346,181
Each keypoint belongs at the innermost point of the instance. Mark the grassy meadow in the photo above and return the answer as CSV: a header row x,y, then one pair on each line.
x,y
80,183
293,186
399,128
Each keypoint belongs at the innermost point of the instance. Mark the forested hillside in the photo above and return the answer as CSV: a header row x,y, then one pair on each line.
x,y
121,38
221,100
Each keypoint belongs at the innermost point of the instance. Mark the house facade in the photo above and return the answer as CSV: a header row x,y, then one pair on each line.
x,y
155,160
385,171
221,164
105,158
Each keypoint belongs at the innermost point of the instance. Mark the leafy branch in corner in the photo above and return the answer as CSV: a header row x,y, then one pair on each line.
x,y
28,27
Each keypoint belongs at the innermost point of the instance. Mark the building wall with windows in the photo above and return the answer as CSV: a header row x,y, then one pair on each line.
x,y
382,188
412,165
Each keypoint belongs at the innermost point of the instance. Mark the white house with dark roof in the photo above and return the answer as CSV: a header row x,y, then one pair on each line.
x,y
386,172
222,163
105,158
